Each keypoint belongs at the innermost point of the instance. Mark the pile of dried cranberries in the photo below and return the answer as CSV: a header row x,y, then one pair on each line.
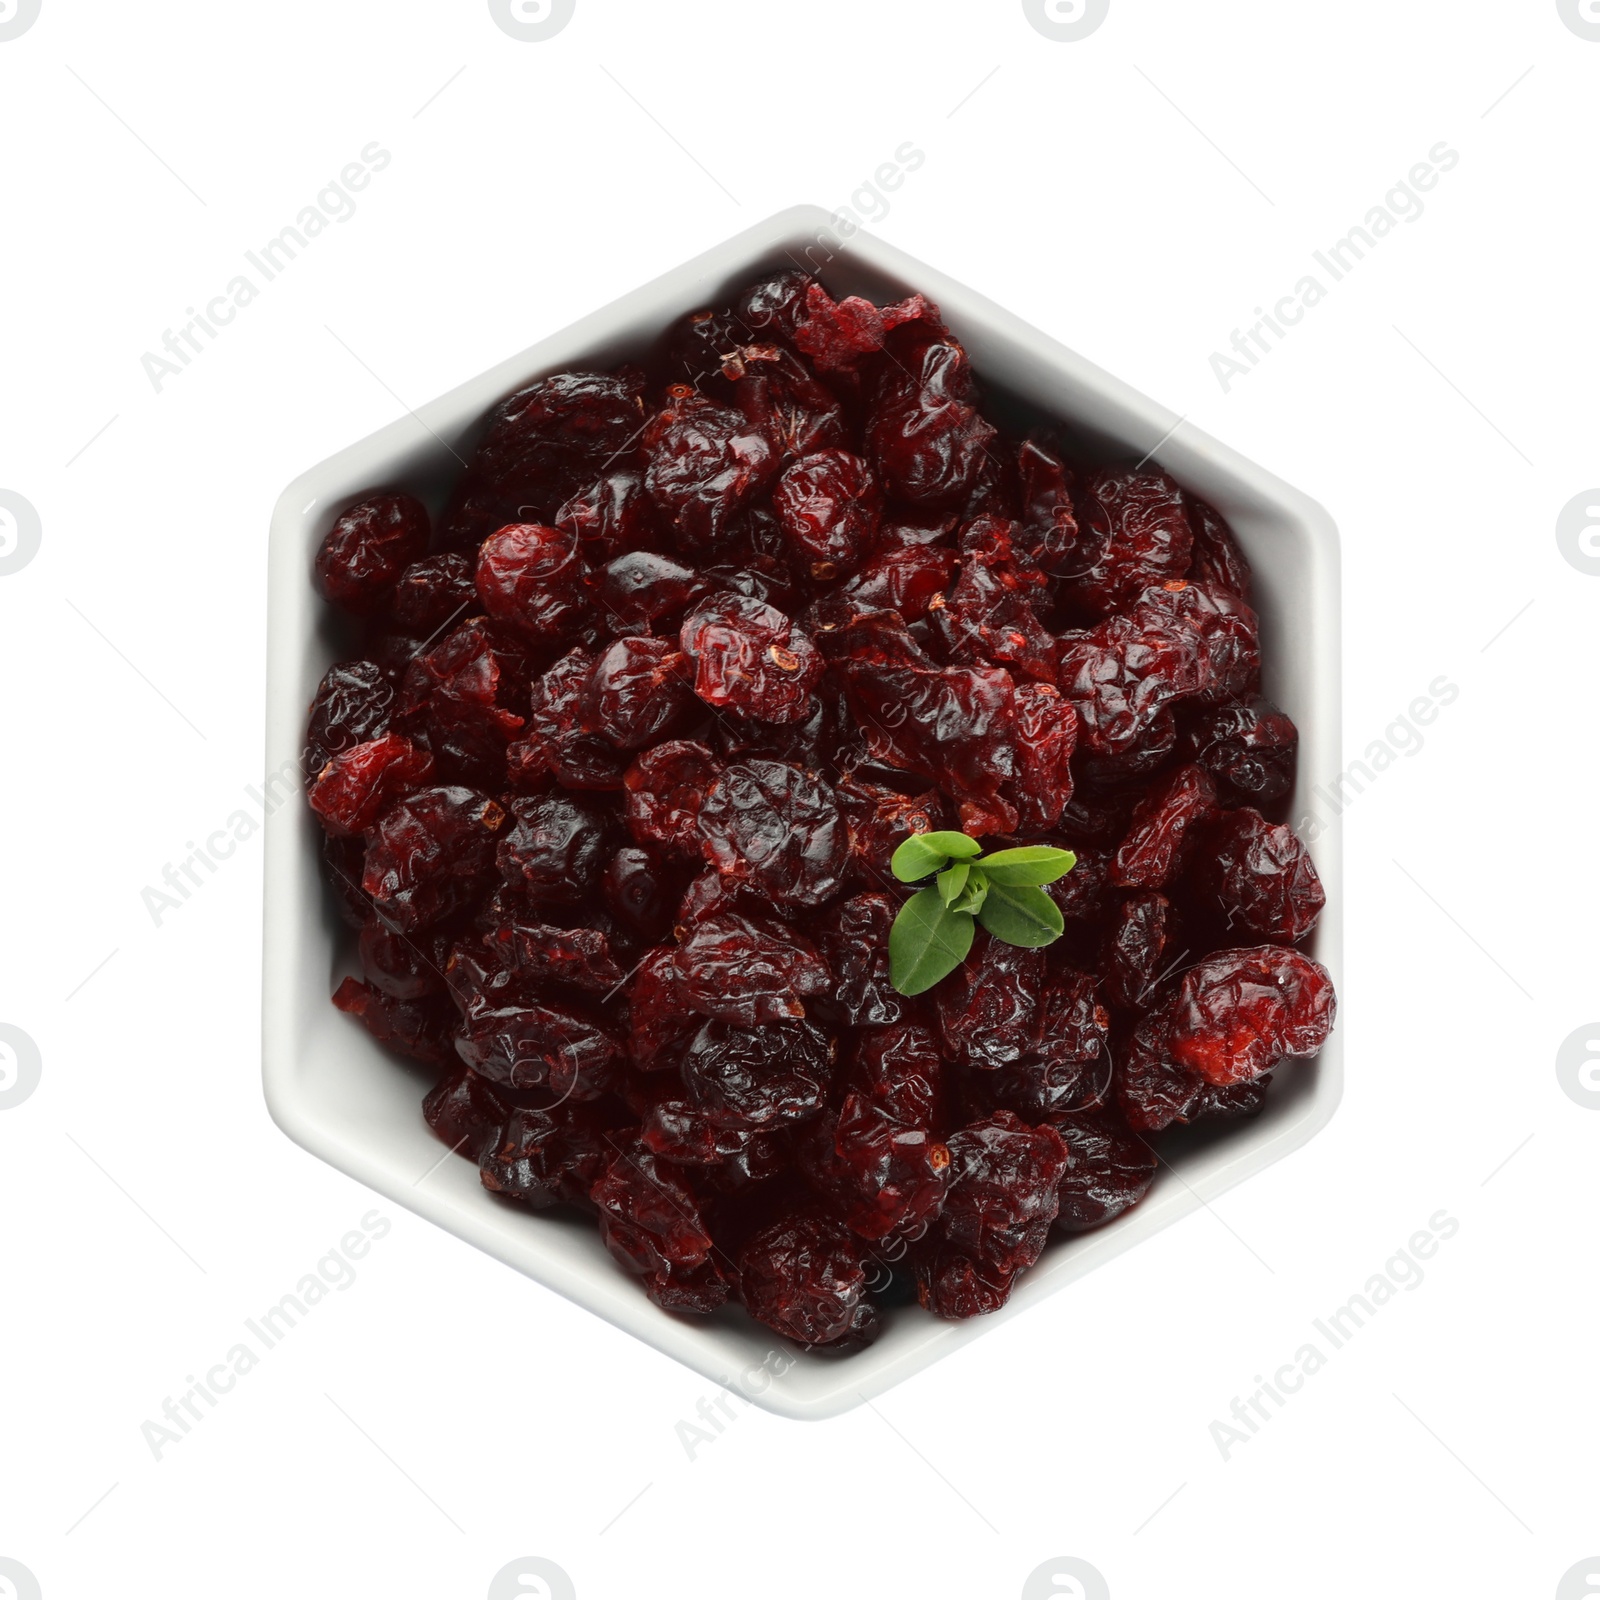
x,y
611,790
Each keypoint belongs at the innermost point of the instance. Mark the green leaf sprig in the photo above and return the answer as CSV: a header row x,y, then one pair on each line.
x,y
933,933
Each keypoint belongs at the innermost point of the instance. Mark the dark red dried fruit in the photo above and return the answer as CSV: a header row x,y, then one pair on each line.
x,y
359,784
706,462
1258,877
554,743
650,1221
641,588
996,1217
828,504
638,694
854,940
542,1158
778,829
465,1112
664,791
749,969
1138,949
1049,532
804,1278
987,1008
924,436
750,659
354,704
988,617
543,444
532,577
1135,532
1239,1012
415,1028
435,592
1248,747
1152,852
1108,1170
368,548
555,850
430,855
757,1078
1217,558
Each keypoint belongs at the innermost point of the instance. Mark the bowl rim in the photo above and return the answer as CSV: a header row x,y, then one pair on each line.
x,y
816,1388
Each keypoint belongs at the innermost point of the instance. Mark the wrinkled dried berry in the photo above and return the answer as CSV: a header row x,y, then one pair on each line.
x,y
1248,747
368,548
431,854
804,1278
768,824
555,850
1257,877
750,659
757,1078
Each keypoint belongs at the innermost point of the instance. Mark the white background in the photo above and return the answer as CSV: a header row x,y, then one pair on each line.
x,y
443,1416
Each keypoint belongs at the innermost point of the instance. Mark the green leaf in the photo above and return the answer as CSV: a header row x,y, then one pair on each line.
x,y
1033,864
952,881
923,854
1020,914
970,901
927,942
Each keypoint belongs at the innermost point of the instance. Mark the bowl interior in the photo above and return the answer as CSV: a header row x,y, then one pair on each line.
x,y
334,1090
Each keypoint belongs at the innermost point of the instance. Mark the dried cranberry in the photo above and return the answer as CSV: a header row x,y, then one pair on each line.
x,y
1135,532
640,588
757,1077
777,828
555,850
750,969
543,444
854,941
465,1112
750,659
1248,747
987,1007
828,504
924,436
415,1028
541,1158
1138,949
1239,1012
431,854
611,516
664,792
1109,1169
366,550
638,694
434,592
359,784
804,1278
532,577
1152,852
1257,876
705,464
1218,560
354,704
554,743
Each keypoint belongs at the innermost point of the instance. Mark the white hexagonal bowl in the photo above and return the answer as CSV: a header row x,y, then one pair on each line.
x,y
333,1090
